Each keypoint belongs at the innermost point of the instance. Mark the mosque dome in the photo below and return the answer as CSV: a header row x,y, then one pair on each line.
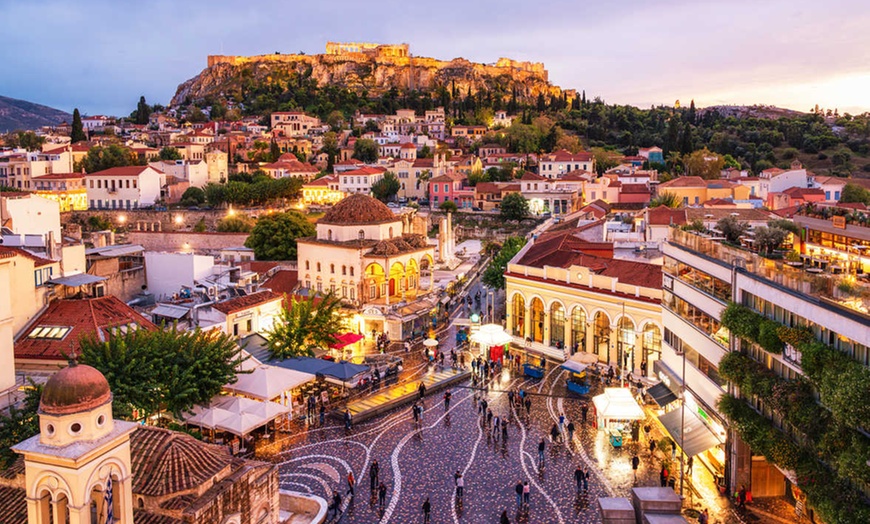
x,y
74,389
359,209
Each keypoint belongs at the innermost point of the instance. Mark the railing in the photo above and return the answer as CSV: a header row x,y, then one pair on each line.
x,y
844,291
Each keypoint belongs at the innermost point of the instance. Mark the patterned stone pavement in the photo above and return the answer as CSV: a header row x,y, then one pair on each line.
x,y
419,460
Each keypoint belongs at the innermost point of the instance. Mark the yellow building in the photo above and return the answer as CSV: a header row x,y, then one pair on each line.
x,y
323,191
67,189
694,190
566,295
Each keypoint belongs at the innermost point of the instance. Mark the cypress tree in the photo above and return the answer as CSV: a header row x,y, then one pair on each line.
x,y
143,111
78,130
686,142
673,136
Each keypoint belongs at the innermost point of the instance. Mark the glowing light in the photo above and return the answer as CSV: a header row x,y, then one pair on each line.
x,y
178,219
122,218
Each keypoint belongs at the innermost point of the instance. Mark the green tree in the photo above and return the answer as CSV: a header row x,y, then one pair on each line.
x,y
274,236
193,194
107,157
143,111
215,194
448,206
19,423
686,140
604,160
768,239
26,140
514,207
705,164
200,226
493,275
195,115
476,177
274,151
667,199
386,188
853,193
425,152
732,229
164,370
306,325
366,150
236,224
335,120
330,147
170,153
78,129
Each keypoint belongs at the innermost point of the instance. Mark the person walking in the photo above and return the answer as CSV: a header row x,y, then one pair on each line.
x,y
382,495
584,410
322,414
511,398
527,493
416,413
348,420
350,483
570,431
504,518
504,430
579,475
422,391
447,396
519,490
460,487
554,434
561,422
427,507
663,476
741,498
528,405
336,504
374,472
704,517
586,480
635,462
541,447
689,465
496,428
652,447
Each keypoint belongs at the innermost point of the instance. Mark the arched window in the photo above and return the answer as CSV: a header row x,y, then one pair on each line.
x,y
332,268
625,337
307,264
318,266
362,234
557,325
391,232
537,311
519,316
652,346
351,270
601,336
329,235
344,270
578,329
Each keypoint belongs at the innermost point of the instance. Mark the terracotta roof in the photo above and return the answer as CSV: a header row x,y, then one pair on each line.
x,y
7,252
260,266
283,281
398,245
577,174
424,162
408,145
13,506
754,215
144,517
123,171
59,176
684,181
567,156
635,188
84,317
528,175
665,216
720,202
294,166
166,462
359,209
234,305
365,171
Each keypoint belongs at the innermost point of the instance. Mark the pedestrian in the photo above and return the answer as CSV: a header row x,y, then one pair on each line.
x,y
584,410
504,518
579,475
422,391
519,490
663,476
447,396
541,446
673,450
586,480
652,447
374,472
382,495
704,517
646,430
322,414
348,419
511,398
528,405
570,431
635,462
504,430
527,492
336,504
460,487
689,464
350,483
426,509
554,433
496,428
488,417
741,498
561,421
415,413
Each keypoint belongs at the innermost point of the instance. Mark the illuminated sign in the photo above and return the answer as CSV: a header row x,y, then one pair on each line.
x,y
838,222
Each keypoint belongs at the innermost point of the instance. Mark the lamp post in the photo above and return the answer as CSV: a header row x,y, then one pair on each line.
x,y
683,425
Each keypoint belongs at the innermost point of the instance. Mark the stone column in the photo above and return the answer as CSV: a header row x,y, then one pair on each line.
x,y
527,323
568,329
614,340
589,346
546,331
78,515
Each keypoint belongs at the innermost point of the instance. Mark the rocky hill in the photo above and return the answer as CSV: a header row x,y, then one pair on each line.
x,y
22,115
367,74
755,111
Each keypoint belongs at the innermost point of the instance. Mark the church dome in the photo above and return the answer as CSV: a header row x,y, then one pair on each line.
x,y
74,389
359,209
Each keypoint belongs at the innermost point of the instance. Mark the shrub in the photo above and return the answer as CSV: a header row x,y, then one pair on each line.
x,y
768,337
741,321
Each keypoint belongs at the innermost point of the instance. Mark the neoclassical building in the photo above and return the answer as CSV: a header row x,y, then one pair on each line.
x,y
82,461
367,255
566,294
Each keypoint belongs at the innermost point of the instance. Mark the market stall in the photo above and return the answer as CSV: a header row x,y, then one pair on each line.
x,y
616,409
492,340
578,381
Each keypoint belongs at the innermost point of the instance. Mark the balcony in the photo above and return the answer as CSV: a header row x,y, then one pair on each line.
x,y
847,291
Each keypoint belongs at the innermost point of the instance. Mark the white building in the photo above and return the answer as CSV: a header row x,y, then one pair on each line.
x,y
360,180
776,180
556,164
28,214
128,187
195,172
166,273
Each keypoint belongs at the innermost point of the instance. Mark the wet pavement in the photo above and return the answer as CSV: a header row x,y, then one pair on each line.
x,y
418,460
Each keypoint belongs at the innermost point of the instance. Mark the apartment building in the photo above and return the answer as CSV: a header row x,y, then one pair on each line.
x,y
129,187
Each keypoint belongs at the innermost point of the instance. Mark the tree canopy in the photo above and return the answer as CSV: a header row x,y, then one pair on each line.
x,y
170,153
19,423
307,324
493,275
78,131
732,229
274,236
164,370
514,207
666,198
449,206
107,157
366,150
386,188
853,193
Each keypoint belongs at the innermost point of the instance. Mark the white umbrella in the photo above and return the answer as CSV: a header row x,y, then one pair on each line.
x,y
430,342
209,417
584,358
236,405
617,404
491,335
242,424
268,382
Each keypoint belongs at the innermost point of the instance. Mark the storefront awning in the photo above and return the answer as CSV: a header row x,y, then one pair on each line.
x,y
346,340
661,394
698,437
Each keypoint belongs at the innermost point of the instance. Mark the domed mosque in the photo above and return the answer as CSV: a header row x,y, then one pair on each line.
x,y
368,256
86,468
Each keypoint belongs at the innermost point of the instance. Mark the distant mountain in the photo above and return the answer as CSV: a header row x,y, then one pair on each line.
x,y
21,115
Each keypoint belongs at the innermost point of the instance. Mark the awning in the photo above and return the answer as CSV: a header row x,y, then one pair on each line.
x,y
170,311
346,340
698,437
661,394
82,279
579,362
574,367
617,404
268,382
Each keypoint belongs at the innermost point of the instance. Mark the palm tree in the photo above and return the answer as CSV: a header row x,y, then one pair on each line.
x,y
306,325
666,199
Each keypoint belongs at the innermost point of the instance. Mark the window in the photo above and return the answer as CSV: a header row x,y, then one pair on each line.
x,y
351,270
92,183
344,270
446,188
329,235
134,184
362,234
352,294
332,268
248,325
318,266
99,184
320,287
307,265
391,232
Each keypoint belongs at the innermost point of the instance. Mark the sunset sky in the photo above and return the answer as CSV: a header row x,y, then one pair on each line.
x,y
101,55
